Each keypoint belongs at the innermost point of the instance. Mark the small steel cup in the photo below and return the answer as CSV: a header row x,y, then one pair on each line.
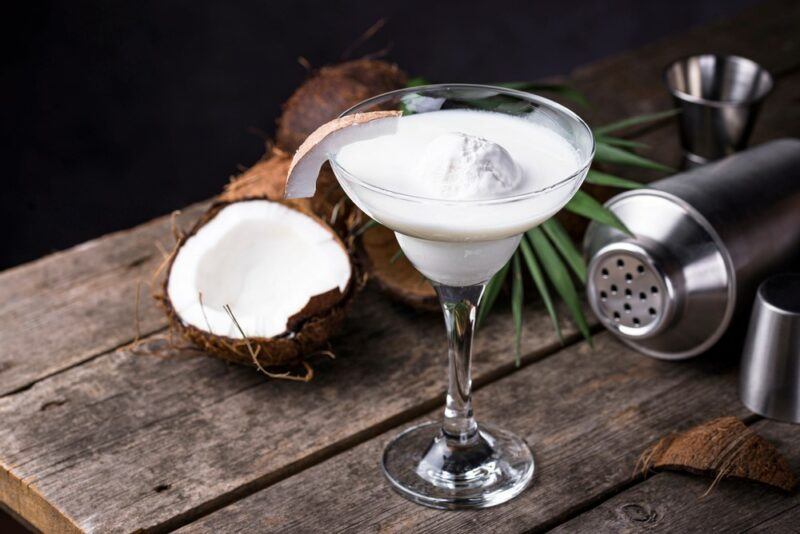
x,y
719,97
769,383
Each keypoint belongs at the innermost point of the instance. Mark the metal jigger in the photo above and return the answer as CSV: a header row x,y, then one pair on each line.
x,y
719,97
770,375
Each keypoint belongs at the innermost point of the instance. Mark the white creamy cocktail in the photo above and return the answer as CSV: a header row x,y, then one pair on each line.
x,y
459,172
464,180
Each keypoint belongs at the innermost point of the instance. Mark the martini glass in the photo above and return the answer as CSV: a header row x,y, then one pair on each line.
x,y
456,463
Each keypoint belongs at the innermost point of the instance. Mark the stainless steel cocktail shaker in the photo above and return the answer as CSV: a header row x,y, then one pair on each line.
x,y
702,241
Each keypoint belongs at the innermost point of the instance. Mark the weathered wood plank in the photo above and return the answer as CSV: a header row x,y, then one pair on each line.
x,y
67,307
131,441
587,415
787,521
674,502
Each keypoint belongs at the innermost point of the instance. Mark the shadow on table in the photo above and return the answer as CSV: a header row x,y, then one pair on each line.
x,y
9,525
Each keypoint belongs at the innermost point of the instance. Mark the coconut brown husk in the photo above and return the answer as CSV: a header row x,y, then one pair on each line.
x,y
329,92
721,448
267,179
398,278
307,332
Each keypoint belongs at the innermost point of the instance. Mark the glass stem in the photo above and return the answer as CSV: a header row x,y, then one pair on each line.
x,y
460,305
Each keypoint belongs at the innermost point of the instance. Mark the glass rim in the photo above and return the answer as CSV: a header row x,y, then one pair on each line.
x,y
730,103
530,97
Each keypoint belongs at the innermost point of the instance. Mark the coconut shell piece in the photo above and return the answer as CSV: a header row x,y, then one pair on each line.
x,y
721,448
331,91
398,278
267,179
307,333
301,181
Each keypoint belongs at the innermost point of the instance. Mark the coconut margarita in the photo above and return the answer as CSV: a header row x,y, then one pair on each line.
x,y
458,187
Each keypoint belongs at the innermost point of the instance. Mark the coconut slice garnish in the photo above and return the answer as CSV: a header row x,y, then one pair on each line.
x,y
326,140
273,265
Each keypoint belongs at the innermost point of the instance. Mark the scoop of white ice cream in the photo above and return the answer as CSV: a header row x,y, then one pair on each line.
x,y
463,166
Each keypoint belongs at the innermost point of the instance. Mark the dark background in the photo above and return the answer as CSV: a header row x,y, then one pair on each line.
x,y
115,112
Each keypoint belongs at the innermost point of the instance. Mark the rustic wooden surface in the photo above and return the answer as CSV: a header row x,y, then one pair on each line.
x,y
68,307
674,502
586,414
193,432
102,438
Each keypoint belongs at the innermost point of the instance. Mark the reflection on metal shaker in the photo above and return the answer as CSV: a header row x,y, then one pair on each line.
x,y
702,242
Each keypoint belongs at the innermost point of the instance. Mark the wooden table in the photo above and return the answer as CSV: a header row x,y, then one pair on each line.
x,y
97,436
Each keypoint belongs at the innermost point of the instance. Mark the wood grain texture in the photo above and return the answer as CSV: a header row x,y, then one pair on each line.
x,y
674,502
134,441
70,306
140,440
587,414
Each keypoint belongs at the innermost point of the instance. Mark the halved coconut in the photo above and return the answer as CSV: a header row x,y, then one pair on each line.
x,y
284,274
328,139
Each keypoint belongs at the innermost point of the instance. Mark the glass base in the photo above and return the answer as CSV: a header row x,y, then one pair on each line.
x,y
428,468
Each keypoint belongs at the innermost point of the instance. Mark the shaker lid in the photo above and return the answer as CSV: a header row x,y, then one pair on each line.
x,y
668,289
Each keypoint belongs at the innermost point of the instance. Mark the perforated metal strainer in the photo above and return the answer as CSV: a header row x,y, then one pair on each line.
x,y
702,240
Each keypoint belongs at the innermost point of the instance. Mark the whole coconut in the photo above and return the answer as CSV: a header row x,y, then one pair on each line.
x,y
329,92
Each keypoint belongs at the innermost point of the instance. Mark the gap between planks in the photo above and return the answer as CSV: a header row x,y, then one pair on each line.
x,y
326,453
144,337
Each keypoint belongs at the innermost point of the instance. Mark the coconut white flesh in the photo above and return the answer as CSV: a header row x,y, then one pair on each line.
x,y
301,182
262,259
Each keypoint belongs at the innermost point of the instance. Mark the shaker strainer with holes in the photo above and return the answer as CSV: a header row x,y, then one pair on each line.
x,y
702,242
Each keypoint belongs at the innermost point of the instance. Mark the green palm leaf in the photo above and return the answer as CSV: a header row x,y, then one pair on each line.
x,y
560,278
585,205
490,294
417,81
633,121
564,90
541,284
611,154
601,178
558,235
618,141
